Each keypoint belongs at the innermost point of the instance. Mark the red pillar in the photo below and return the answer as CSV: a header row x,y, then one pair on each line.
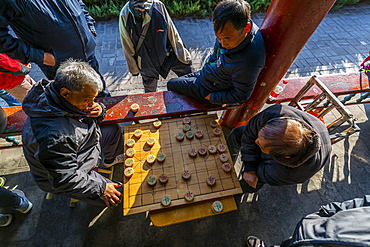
x,y
287,27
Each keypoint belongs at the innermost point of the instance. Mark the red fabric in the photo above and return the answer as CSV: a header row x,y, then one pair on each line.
x,y
8,81
363,63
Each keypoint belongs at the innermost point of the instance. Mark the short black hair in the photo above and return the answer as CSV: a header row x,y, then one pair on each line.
x,y
238,12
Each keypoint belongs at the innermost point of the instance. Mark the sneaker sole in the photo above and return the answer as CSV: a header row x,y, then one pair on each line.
x,y
8,222
30,205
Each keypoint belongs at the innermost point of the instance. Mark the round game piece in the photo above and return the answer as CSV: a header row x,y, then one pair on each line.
x,y
166,200
180,137
135,107
152,180
129,162
217,131
193,152
189,135
138,133
186,127
217,207
129,171
130,143
224,157
150,159
186,120
186,174
211,180
163,178
226,167
189,196
198,134
130,152
150,141
221,148
212,149
213,123
202,151
161,157
157,124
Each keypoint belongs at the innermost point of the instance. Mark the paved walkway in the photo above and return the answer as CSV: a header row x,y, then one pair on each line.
x,y
339,45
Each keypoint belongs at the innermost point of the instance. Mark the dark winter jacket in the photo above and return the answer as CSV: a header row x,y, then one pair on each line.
x,y
12,72
161,39
295,170
61,144
336,224
232,74
61,27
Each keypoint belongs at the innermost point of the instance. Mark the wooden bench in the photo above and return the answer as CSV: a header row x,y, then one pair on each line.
x,y
339,84
169,104
152,105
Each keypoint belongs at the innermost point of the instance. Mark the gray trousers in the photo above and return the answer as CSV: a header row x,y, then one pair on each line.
x,y
150,79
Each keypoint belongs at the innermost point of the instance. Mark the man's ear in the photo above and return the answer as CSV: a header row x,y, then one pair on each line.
x,y
248,27
64,92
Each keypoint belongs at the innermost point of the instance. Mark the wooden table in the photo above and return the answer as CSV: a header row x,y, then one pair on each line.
x,y
140,197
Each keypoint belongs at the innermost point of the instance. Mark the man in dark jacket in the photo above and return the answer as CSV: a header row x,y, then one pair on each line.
x,y
62,140
335,224
155,51
230,73
281,145
49,32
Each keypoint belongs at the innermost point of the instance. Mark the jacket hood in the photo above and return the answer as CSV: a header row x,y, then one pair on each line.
x,y
44,101
313,148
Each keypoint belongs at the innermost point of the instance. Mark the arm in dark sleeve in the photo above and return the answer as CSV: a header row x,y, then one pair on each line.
x,y
103,114
60,160
334,207
90,21
16,48
250,151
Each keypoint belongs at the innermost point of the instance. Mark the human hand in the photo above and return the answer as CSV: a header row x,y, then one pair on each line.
x,y
49,59
111,196
251,178
94,33
94,111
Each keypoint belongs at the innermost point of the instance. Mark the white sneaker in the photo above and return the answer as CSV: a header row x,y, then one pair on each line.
x,y
25,205
119,159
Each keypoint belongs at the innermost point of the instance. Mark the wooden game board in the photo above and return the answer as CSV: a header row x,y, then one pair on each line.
x,y
140,197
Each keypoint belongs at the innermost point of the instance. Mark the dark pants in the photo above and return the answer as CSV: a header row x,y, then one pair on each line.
x,y
188,85
150,81
111,142
50,71
8,198
234,143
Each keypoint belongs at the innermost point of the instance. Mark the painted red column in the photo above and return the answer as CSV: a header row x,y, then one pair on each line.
x,y
287,27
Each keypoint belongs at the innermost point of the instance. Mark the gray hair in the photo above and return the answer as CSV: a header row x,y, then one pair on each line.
x,y
74,75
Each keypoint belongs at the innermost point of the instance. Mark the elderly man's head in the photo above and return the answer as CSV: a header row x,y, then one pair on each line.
x,y
78,83
231,22
287,138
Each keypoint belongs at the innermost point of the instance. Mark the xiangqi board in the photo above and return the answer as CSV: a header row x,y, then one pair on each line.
x,y
141,195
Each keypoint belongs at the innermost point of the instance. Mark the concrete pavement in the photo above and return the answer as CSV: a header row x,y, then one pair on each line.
x,y
339,45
